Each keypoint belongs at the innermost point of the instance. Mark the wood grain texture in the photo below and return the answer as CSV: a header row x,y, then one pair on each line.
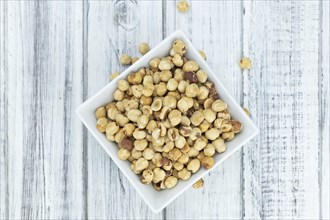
x,y
220,37
281,90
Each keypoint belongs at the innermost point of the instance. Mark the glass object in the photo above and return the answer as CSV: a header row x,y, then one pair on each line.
x,y
127,14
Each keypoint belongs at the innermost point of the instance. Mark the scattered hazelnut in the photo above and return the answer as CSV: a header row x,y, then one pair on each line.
x,y
245,63
198,184
125,59
208,162
144,48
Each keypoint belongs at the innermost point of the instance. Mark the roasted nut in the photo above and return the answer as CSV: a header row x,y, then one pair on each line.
x,y
202,76
164,65
172,52
185,131
118,95
192,90
168,146
200,156
159,142
224,115
100,113
226,126
173,134
184,159
112,128
156,159
142,71
175,117
178,166
170,182
228,136
219,145
200,144
236,126
197,118
146,110
161,89
167,166
208,162
110,105
190,66
151,126
177,60
163,129
148,80
182,86
134,78
148,154
151,166
123,154
122,85
169,101
209,150
174,154
204,126
154,63
147,176
193,152
208,103
148,90
165,75
219,106
139,134
203,93
125,59
179,47
172,85
178,74
141,164
212,134
180,142
202,54
183,6
126,143
156,105
217,123
167,123
185,103
143,48
131,104
185,148
142,121
164,112
198,184
134,115
195,133
159,175
191,77
119,136
245,63
184,174
114,75
110,137
155,133
141,144
101,124
134,59
137,90
194,165
209,115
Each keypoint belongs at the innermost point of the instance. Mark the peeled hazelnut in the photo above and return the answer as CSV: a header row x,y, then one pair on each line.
x,y
170,182
198,184
121,120
141,164
165,75
123,154
148,154
185,131
168,146
202,76
147,176
212,134
137,90
164,112
131,104
185,148
228,136
219,105
156,105
151,126
154,63
110,105
208,162
208,103
142,121
192,90
173,134
217,123
134,78
155,133
161,89
184,159
143,48
156,159
164,65
180,142
119,136
178,74
175,94
178,166
172,84
195,133
197,118
169,101
203,93
209,115
177,60
112,128
179,47
163,129
194,165
125,59
226,126
245,63
193,152
185,121
202,54
174,154
236,126
141,144
182,86
157,143
190,66
200,144
118,95
148,90
184,174
146,110
126,143
110,137
204,126
139,134
209,150
100,113
224,115
175,117
134,115
219,145
123,85
185,103
147,80
159,175
191,77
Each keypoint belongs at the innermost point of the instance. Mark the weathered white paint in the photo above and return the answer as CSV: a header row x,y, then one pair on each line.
x,y
54,55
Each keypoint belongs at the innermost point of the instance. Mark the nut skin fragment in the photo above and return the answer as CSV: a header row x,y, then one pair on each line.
x,y
191,77
199,184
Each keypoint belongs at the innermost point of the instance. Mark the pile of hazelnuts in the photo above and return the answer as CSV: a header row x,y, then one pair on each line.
x,y
167,120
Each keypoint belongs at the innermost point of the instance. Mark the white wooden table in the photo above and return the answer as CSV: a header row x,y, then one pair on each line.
x,y
56,54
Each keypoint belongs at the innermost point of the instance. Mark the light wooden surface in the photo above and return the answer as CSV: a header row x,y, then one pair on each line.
x,y
56,54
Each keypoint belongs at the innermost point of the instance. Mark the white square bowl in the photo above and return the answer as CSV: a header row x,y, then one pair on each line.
x,y
158,200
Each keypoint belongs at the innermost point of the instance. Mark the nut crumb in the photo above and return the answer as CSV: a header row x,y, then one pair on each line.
x,y
199,184
245,63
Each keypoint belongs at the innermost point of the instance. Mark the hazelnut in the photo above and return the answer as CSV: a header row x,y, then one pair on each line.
x,y
182,86
147,176
228,136
202,76
131,104
192,90
123,154
118,95
100,113
142,121
168,146
172,84
184,174
139,134
148,80
193,152
148,154
208,162
141,164
163,129
143,48
101,124
204,126
197,118
202,54
122,85
178,74
209,150
198,184
184,159
226,126
156,105
175,117
236,126
146,110
173,134
180,142
151,126
164,112
185,131
161,89
185,103
212,134
190,66
245,63
119,136
219,145
159,175
208,103
148,90
156,159
125,59
203,93
169,101
178,166
200,144
134,78
209,115
191,77
134,115
217,123
194,165
195,133
154,63
141,144
224,115
219,105
185,148
174,154
177,60
137,90
164,65
179,47
170,182
165,75
112,128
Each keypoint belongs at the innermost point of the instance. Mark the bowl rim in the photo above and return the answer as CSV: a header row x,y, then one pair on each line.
x,y
179,34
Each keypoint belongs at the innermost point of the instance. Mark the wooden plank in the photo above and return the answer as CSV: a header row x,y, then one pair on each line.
x,y
3,114
324,108
110,195
44,45
281,90
215,27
